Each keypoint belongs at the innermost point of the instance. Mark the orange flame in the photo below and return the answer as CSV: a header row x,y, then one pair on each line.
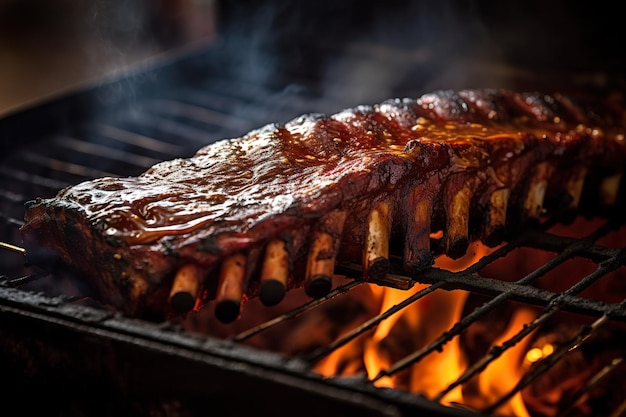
x,y
418,325
402,335
502,374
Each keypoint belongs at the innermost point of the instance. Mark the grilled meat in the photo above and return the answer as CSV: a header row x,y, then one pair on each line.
x,y
274,209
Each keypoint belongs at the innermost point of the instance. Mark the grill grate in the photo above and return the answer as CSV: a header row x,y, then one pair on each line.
x,y
498,292
182,118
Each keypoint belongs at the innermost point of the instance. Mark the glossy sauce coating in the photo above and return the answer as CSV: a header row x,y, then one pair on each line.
x,y
234,185
435,162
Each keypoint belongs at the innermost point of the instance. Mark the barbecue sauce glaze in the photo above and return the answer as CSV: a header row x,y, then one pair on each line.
x,y
129,235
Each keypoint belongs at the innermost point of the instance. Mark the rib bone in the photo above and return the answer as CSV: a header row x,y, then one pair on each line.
x,y
322,251
533,203
493,232
274,272
457,220
376,251
185,288
417,253
230,288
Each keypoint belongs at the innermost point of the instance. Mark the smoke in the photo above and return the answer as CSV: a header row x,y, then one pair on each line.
x,y
355,53
341,54
335,54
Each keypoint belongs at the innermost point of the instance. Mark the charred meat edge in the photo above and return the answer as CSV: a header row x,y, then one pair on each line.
x,y
275,209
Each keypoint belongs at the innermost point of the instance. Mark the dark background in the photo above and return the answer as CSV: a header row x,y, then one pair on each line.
x,y
48,48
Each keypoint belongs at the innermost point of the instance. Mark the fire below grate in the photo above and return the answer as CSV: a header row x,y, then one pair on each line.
x,y
55,336
29,313
494,294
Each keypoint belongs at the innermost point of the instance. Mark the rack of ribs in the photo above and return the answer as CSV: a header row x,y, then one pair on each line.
x,y
274,209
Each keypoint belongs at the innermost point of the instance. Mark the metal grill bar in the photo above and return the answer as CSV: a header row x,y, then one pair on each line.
x,y
13,197
549,361
137,140
216,100
263,103
370,324
567,246
101,151
470,280
188,134
497,351
190,112
606,371
29,179
17,282
609,259
10,221
553,307
64,167
295,312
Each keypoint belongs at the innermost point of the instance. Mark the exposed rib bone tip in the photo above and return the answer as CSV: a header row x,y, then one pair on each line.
x,y
274,273
322,251
185,288
182,302
230,288
227,311
272,292
376,250
318,286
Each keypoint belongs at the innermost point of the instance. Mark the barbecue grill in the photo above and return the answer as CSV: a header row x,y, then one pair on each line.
x,y
78,357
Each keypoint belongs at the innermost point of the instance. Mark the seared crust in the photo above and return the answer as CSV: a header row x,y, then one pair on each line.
x,y
453,150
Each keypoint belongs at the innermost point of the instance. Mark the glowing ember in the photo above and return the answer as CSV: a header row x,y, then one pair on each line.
x,y
536,353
